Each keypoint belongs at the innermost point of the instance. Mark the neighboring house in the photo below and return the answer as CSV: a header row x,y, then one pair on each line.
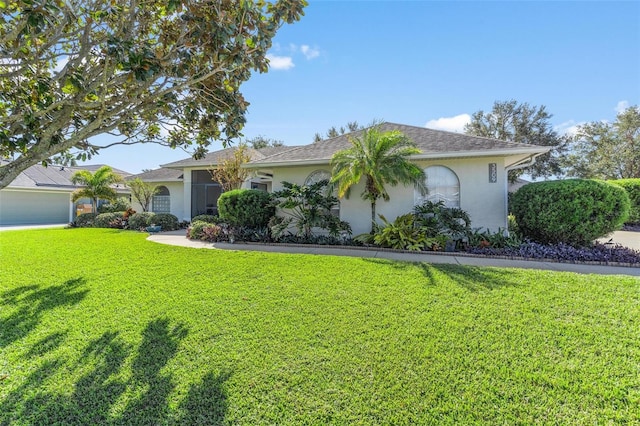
x,y
463,171
42,195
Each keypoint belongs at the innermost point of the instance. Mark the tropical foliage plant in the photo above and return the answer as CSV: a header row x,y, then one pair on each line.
x,y
305,207
380,159
96,186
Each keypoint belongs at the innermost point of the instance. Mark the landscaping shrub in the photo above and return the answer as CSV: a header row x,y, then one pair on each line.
x,y
141,220
209,218
167,221
564,253
307,208
575,211
246,207
632,187
206,231
85,220
121,204
109,220
440,220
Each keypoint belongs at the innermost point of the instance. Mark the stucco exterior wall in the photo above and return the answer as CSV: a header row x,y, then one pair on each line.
x,y
484,201
31,207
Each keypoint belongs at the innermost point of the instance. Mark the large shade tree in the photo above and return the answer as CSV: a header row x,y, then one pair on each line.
x,y
607,150
96,186
165,71
380,159
522,123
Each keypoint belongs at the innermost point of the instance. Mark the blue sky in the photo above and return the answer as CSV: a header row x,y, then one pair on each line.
x,y
428,63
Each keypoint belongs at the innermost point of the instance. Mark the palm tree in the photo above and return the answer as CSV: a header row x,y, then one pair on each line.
x,y
380,158
95,185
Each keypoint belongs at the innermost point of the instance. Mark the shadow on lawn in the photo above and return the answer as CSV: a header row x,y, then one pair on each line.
x,y
30,304
472,278
95,395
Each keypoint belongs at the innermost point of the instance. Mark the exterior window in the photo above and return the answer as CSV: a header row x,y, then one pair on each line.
x,y
442,185
161,202
259,186
317,176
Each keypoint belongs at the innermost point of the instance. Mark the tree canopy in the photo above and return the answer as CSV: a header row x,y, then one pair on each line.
x,y
143,192
143,71
333,131
229,172
607,150
260,142
522,123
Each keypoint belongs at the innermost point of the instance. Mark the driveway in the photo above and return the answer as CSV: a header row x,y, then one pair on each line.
x,y
624,238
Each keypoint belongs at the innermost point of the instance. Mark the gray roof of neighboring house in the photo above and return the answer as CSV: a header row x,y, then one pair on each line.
x,y
160,175
432,143
52,176
213,158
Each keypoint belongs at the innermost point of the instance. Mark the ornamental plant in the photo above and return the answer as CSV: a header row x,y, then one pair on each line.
x,y
574,211
632,187
250,208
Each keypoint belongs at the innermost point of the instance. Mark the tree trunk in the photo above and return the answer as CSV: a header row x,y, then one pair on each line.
x,y
373,215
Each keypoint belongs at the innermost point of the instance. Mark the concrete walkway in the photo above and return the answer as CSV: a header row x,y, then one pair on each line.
x,y
178,238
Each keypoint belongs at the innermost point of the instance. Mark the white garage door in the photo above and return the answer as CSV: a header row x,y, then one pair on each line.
x,y
30,208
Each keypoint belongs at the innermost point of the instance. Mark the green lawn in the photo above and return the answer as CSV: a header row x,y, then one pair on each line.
x,y
104,327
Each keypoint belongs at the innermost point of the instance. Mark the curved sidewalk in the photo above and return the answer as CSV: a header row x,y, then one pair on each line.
x,y
178,238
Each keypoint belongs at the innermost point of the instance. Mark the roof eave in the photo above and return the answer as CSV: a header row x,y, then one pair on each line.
x,y
424,156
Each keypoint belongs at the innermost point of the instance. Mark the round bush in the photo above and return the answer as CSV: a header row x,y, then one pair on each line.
x,y
632,186
206,231
141,220
574,211
167,221
85,220
109,220
209,218
246,207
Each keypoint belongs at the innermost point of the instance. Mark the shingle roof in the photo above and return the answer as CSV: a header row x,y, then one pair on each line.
x,y
213,158
160,175
53,176
430,142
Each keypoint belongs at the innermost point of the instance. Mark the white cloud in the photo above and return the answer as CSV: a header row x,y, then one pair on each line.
x,y
309,52
569,128
451,124
280,62
622,105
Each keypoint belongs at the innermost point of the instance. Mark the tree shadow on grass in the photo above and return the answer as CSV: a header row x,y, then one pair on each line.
x,y
471,278
159,344
102,384
206,403
29,303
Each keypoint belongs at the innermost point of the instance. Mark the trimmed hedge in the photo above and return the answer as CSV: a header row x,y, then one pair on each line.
x,y
109,220
209,218
632,186
140,220
246,207
167,221
85,220
574,211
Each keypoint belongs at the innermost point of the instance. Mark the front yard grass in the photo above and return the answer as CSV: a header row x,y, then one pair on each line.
x,y
103,327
